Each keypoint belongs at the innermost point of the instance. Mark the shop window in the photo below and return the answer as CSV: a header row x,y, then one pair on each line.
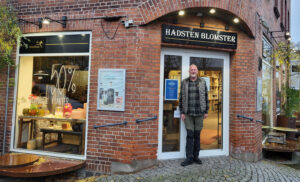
x,y
51,103
267,80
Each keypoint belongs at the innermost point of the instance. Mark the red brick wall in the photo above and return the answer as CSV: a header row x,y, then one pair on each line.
x,y
137,50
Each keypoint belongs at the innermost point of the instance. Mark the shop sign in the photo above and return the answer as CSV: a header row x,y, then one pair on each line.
x,y
201,37
171,89
79,43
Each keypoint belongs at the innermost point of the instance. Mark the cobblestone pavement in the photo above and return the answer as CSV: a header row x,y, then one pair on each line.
x,y
214,169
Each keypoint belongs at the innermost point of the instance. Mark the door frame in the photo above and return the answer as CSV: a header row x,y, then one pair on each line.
x,y
186,53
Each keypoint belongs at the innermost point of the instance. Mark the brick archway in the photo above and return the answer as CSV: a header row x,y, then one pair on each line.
x,y
153,9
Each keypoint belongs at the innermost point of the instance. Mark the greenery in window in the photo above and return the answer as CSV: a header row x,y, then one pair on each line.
x,y
292,101
284,54
9,35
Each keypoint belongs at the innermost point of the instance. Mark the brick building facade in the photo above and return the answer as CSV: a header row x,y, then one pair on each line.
x,y
137,47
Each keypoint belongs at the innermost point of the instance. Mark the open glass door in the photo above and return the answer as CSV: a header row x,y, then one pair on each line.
x,y
214,68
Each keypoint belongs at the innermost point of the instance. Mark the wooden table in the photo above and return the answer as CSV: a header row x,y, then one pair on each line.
x,y
46,166
32,120
290,146
285,129
59,133
14,160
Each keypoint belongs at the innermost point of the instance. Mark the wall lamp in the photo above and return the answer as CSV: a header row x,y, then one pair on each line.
x,y
47,20
64,19
287,35
25,21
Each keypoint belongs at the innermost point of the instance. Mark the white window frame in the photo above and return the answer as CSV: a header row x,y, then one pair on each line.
x,y
272,74
18,55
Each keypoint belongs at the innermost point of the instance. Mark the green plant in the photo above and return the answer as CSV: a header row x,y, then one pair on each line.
x,y
292,102
9,35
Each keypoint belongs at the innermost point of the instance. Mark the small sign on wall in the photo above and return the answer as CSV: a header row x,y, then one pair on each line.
x,y
171,89
111,89
259,97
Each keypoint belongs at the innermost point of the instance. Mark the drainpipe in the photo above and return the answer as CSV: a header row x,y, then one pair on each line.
x,y
6,108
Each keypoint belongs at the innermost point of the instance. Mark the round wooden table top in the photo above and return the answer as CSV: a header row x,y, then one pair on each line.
x,y
17,159
285,129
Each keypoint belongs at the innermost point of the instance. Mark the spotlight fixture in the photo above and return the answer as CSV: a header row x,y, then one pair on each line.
x,y
212,11
34,23
181,12
236,20
286,35
47,20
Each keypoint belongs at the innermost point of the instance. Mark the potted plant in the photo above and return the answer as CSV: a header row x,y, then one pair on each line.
x,y
285,53
290,107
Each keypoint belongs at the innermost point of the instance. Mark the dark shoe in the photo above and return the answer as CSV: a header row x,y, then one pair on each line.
x,y
197,161
187,162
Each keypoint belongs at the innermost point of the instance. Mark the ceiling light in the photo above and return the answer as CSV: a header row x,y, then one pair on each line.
x,y
236,20
181,13
212,11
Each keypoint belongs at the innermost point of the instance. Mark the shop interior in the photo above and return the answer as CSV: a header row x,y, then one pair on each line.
x,y
52,104
211,134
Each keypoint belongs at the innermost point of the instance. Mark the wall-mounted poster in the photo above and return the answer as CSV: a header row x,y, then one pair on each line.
x,y
111,89
259,98
171,89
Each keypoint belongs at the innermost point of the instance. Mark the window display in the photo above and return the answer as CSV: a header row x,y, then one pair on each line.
x,y
267,80
52,103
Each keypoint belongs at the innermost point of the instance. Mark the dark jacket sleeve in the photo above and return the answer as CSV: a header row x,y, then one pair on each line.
x,y
207,101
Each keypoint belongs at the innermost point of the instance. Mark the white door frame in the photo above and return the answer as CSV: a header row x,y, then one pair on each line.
x,y
186,54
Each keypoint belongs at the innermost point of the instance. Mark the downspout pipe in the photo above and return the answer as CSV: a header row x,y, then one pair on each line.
x,y
6,110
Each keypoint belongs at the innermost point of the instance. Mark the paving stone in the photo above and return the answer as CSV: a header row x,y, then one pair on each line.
x,y
212,169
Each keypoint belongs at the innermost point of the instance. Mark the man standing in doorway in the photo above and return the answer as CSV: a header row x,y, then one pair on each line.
x,y
194,105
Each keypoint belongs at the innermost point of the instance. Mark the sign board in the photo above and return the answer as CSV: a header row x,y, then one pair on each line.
x,y
171,89
259,97
78,43
111,89
201,37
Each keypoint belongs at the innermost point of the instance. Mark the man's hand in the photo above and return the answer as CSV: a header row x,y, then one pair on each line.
x,y
205,116
182,117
